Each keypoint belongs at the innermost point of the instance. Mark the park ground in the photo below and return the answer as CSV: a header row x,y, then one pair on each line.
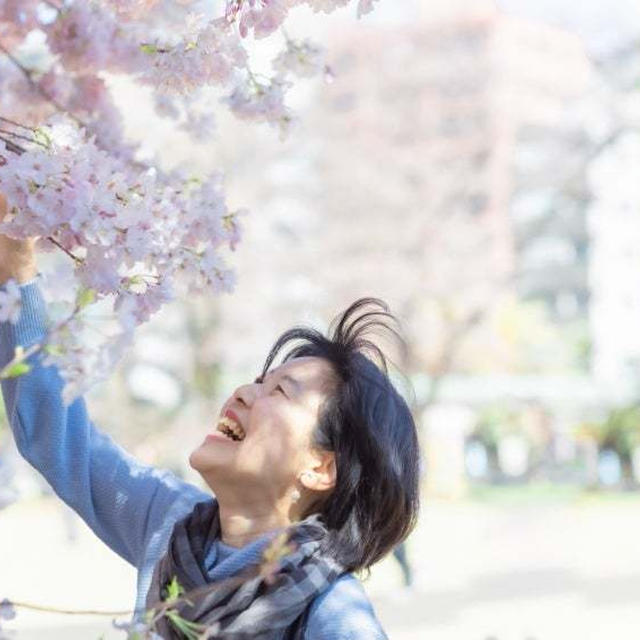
x,y
512,564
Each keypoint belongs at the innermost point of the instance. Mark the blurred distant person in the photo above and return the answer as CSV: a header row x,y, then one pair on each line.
x,y
400,554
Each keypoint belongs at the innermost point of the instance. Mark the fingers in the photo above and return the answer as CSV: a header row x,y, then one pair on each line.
x,y
4,208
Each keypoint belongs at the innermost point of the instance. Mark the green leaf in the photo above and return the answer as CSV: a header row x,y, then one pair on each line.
x,y
53,349
85,297
190,629
136,279
42,137
15,370
149,615
148,48
174,589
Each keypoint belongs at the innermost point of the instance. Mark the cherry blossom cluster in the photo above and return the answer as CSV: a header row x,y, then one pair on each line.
x,y
88,37
129,9
263,17
134,236
207,55
300,58
17,18
263,101
174,55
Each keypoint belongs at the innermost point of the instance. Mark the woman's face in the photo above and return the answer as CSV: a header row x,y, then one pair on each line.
x,y
278,415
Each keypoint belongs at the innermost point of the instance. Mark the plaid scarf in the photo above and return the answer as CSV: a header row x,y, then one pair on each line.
x,y
255,604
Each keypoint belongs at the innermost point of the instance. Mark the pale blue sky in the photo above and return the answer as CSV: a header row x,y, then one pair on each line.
x,y
600,22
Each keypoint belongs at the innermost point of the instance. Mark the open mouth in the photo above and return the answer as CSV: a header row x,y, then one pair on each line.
x,y
231,429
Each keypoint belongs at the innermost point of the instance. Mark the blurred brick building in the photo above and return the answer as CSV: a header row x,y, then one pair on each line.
x,y
483,96
464,125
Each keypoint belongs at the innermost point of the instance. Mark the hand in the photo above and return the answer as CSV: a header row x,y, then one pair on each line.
x,y
17,257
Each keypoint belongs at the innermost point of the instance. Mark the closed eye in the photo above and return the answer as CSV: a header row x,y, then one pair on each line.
x,y
260,380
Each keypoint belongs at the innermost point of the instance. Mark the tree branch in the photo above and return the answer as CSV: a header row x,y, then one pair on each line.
x,y
52,5
71,255
12,146
8,132
28,74
16,124
81,612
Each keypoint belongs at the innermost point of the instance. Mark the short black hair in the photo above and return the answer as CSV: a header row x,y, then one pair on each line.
x,y
370,428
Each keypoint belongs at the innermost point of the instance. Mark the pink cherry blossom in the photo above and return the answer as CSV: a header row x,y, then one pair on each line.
x,y
87,37
302,59
17,18
365,6
262,102
136,308
81,360
10,302
99,271
128,9
326,6
263,17
206,55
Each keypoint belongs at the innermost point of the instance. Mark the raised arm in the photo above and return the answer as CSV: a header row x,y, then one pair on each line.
x,y
123,501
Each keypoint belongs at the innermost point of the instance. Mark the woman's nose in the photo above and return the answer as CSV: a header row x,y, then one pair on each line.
x,y
246,394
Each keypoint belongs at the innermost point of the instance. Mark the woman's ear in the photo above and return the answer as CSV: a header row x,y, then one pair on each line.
x,y
321,472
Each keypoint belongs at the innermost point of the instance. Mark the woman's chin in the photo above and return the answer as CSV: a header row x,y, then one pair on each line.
x,y
193,459
201,460
208,456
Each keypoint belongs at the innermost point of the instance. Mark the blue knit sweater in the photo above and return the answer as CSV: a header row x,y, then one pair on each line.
x,y
132,507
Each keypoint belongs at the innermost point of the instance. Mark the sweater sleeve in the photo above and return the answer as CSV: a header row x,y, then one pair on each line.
x,y
343,612
124,502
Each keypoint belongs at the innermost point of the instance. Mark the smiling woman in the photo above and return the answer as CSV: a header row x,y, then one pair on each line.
x,y
318,454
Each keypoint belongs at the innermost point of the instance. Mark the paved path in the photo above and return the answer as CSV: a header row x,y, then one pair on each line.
x,y
483,571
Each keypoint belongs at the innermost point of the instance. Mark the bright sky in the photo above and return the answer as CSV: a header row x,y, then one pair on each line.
x,y
600,22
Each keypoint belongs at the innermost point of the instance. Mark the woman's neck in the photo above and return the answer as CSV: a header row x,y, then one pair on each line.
x,y
241,524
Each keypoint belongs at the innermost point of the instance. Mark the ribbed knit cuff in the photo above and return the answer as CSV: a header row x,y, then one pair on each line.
x,y
32,323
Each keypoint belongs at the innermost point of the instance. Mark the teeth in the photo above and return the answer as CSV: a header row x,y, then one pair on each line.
x,y
230,428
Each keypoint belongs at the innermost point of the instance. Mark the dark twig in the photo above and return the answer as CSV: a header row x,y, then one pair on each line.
x,y
81,612
13,134
16,124
28,74
71,255
52,5
12,146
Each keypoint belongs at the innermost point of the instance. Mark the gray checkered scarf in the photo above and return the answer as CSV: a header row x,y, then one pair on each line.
x,y
249,605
